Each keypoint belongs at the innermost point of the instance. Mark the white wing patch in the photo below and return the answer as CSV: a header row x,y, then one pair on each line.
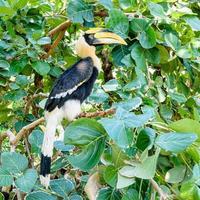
x,y
70,91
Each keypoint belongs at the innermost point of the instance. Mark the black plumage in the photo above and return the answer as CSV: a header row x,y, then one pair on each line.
x,y
75,83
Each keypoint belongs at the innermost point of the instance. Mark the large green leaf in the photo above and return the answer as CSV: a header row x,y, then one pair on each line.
x,y
106,3
79,11
4,65
140,24
118,22
127,4
14,162
175,142
118,127
193,21
186,126
90,136
131,194
156,10
62,187
148,38
108,194
110,175
26,182
145,170
118,53
39,195
6,11
138,54
6,178
172,40
176,174
129,104
35,139
41,67
123,181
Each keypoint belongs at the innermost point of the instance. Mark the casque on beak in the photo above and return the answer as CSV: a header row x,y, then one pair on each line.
x,y
97,36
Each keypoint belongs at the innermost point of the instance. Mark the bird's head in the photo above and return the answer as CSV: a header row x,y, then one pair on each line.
x,y
100,36
85,45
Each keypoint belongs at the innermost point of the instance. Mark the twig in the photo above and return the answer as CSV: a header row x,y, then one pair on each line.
x,y
98,113
59,28
163,195
26,129
55,44
31,98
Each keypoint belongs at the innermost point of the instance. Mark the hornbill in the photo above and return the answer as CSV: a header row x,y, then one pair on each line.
x,y
71,89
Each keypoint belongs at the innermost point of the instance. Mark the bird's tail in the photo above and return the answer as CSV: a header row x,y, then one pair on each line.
x,y
47,150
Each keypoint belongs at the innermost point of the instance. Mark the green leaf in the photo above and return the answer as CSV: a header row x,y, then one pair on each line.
x,y
110,175
22,80
118,22
111,85
35,139
131,194
117,127
6,178
153,55
14,162
193,21
75,197
41,68
138,54
118,53
62,187
106,3
4,65
44,40
26,182
1,196
186,126
17,66
175,142
176,174
164,54
156,10
108,194
123,182
180,98
6,11
19,4
172,40
148,38
79,11
145,139
127,4
140,24
39,195
90,136
129,104
145,170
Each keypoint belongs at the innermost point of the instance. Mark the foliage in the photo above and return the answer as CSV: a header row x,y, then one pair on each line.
x,y
154,87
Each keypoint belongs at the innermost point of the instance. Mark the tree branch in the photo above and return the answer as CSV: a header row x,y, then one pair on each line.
x,y
98,113
61,27
163,195
25,130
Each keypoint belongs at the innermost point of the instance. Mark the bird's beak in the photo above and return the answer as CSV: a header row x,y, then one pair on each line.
x,y
103,36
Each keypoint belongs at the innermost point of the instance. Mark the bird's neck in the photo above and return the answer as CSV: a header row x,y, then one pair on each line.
x,y
83,50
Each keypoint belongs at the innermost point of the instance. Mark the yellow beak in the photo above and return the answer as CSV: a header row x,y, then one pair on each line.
x,y
103,36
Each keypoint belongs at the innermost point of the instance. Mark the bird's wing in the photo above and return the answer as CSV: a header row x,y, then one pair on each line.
x,y
69,81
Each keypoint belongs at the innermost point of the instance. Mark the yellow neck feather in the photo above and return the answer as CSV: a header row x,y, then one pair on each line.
x,y
83,50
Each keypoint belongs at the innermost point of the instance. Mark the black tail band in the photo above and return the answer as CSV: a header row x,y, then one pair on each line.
x,y
45,165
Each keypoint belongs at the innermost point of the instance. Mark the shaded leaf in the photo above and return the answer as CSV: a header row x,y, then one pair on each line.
x,y
175,142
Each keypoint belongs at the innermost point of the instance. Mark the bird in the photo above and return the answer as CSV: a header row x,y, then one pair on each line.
x,y
71,89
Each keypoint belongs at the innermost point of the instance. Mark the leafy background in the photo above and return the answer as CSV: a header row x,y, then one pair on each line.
x,y
152,85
